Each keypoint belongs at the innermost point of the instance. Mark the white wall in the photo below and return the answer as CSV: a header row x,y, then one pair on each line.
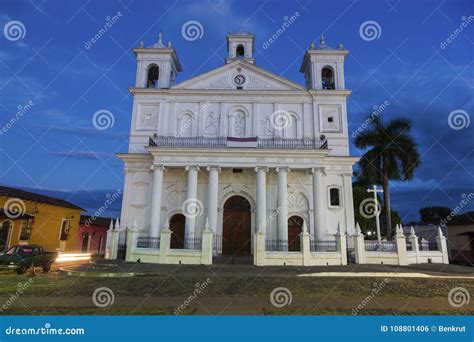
x,y
160,113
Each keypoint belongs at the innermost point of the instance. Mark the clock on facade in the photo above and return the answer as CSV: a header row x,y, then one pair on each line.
x,y
239,79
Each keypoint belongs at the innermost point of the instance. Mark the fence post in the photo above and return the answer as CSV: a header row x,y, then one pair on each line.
x,y
414,244
206,246
341,244
401,246
259,248
131,241
111,246
165,241
442,245
305,247
359,246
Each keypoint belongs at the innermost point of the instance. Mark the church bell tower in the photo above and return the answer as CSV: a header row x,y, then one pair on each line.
x,y
157,65
240,47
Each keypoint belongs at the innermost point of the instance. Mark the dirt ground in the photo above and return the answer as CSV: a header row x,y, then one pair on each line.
x,y
239,290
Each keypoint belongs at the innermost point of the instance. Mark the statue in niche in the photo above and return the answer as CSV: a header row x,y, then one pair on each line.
x,y
212,124
267,126
239,125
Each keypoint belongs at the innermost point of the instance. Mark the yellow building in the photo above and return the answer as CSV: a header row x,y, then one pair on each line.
x,y
30,218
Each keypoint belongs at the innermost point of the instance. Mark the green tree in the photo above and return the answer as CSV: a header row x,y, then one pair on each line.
x,y
367,223
434,214
392,155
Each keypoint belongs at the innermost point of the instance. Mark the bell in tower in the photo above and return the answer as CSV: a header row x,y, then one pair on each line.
x,y
323,66
240,46
157,65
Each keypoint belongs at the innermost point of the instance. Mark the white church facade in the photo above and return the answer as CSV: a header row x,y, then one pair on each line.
x,y
238,161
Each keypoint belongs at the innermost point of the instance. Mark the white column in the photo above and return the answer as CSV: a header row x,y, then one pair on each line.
x,y
348,202
156,200
212,195
282,208
319,203
261,198
191,204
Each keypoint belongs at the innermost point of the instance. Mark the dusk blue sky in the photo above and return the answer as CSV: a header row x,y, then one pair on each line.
x,y
55,148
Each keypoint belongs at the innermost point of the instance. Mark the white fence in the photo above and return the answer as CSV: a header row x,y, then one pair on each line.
x,y
400,252
310,255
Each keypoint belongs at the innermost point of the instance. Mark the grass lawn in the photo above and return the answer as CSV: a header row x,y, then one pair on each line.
x,y
57,293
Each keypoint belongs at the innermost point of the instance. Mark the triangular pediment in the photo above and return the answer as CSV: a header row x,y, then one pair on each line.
x,y
254,78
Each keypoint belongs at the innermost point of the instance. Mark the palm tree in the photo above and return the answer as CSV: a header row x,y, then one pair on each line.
x,y
393,155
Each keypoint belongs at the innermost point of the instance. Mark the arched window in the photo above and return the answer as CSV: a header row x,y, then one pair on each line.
x,y
240,52
153,74
334,197
327,78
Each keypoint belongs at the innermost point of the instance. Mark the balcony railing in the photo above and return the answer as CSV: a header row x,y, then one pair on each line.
x,y
223,142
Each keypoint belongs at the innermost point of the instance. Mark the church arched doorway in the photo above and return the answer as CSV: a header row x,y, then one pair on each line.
x,y
177,223
236,230
295,227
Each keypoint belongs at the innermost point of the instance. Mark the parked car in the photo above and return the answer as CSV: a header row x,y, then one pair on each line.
x,y
22,257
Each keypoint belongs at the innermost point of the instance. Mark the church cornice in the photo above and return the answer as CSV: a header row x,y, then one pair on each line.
x,y
233,92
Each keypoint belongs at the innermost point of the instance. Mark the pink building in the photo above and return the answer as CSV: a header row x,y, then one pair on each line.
x,y
92,234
